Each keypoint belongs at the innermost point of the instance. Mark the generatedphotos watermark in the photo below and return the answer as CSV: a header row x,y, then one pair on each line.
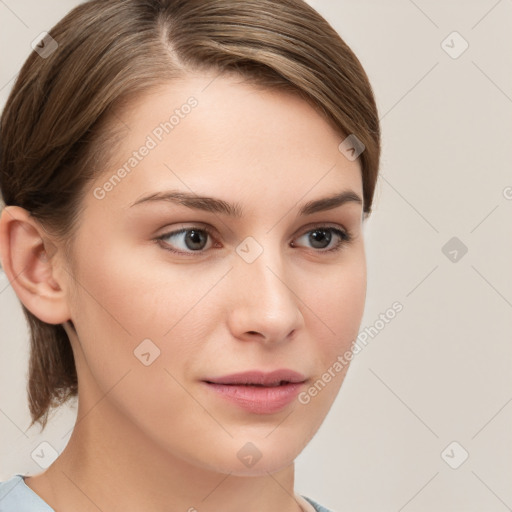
x,y
344,359
152,140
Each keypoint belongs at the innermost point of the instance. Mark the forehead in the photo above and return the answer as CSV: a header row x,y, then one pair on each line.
x,y
217,135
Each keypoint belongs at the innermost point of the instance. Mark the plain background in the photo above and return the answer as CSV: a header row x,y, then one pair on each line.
x,y
441,370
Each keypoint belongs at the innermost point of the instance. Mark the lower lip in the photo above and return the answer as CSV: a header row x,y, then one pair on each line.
x,y
258,399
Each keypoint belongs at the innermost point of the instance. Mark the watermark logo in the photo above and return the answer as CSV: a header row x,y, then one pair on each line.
x,y
454,249
454,455
44,454
44,45
146,352
249,249
249,454
454,45
351,147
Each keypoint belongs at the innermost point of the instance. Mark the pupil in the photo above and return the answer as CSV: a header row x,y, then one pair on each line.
x,y
324,236
195,238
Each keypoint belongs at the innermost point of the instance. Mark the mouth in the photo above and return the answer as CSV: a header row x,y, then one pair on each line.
x,y
259,378
258,392
272,385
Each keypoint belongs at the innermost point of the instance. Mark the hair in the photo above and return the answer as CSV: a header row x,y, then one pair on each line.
x,y
55,136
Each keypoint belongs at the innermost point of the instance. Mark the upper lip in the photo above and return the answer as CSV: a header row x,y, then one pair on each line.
x,y
260,378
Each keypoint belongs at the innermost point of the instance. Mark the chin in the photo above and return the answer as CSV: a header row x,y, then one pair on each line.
x,y
257,456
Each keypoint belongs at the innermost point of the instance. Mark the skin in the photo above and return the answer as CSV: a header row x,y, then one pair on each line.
x,y
153,437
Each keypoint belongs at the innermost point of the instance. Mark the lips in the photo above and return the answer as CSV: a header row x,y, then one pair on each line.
x,y
258,378
258,392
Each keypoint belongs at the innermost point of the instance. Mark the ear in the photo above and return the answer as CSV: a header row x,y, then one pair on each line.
x,y
28,258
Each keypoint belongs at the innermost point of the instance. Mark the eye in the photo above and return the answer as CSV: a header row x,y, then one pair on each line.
x,y
189,240
321,237
195,239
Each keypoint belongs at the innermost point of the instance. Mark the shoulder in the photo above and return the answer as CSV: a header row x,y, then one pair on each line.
x,y
316,506
16,496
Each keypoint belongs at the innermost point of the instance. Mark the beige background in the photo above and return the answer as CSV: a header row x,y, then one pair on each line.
x,y
441,370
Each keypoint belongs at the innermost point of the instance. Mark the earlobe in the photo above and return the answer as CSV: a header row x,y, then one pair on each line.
x,y
27,257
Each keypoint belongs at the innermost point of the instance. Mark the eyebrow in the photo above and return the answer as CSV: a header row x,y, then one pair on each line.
x,y
214,205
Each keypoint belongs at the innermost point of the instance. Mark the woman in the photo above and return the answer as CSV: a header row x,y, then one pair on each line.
x,y
186,184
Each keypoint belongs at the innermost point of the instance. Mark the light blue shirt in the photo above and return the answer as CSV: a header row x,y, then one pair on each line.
x,y
17,496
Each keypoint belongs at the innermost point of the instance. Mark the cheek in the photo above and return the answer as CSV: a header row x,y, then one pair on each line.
x,y
119,307
129,306
335,304
122,301
132,295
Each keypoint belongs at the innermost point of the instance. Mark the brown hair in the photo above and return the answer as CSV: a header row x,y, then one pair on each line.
x,y
54,138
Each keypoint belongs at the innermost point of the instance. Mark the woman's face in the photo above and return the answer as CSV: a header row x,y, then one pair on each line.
x,y
254,286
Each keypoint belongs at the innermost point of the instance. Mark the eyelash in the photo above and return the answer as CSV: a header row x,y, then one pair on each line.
x,y
345,237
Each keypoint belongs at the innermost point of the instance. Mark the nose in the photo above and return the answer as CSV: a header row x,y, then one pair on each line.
x,y
263,304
